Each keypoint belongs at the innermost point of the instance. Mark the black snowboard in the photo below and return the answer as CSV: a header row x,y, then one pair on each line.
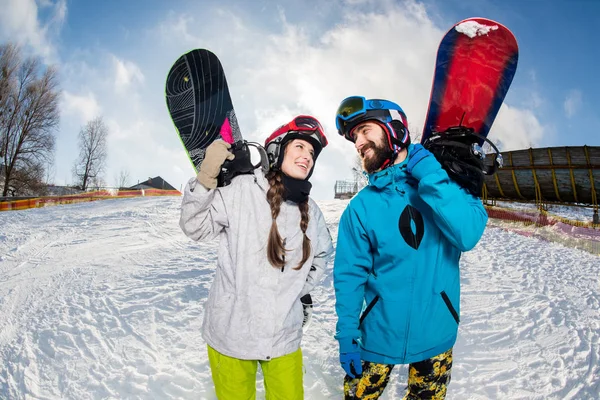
x,y
199,103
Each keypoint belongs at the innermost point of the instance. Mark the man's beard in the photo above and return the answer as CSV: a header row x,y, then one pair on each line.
x,y
374,161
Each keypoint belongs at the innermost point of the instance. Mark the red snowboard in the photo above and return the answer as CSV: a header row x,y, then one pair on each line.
x,y
475,65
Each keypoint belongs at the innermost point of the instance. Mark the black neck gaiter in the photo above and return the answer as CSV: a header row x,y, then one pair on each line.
x,y
296,190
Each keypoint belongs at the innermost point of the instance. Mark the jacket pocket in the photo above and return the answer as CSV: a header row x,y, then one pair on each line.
x,y
450,306
368,310
385,330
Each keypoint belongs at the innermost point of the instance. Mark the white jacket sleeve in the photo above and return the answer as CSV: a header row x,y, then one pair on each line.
x,y
203,213
323,253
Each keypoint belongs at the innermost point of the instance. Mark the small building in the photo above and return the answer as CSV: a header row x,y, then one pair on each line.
x,y
347,189
153,183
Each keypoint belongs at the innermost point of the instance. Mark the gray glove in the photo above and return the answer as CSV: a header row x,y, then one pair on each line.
x,y
215,156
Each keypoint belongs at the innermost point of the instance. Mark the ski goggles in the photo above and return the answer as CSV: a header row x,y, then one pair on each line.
x,y
304,125
355,108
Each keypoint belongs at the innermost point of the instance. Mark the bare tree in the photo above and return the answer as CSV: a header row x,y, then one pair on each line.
x,y
92,153
9,61
28,182
415,133
50,172
122,179
97,183
29,116
358,172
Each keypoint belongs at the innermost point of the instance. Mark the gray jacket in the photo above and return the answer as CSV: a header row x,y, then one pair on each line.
x,y
253,311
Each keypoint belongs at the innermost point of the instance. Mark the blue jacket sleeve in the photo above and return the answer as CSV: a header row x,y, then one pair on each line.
x,y
460,216
353,261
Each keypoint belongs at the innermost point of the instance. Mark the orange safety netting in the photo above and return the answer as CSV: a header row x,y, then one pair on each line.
x,y
544,225
82,197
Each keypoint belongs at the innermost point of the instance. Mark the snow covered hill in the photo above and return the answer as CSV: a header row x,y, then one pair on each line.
x,y
104,301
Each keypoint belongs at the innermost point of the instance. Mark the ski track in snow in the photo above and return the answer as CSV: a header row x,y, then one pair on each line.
x,y
104,300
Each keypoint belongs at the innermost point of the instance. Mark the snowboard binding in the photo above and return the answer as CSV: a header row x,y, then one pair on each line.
x,y
242,163
458,149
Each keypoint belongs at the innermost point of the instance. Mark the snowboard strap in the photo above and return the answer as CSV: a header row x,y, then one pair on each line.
x,y
242,163
458,151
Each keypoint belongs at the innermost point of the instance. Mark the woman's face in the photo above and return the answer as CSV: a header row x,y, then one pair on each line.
x,y
298,159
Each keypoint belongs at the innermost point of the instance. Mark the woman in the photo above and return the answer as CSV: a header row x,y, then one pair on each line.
x,y
273,249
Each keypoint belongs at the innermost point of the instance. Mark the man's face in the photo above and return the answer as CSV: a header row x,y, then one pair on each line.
x,y
371,145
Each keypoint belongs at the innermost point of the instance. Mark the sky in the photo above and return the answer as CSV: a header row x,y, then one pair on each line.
x,y
290,57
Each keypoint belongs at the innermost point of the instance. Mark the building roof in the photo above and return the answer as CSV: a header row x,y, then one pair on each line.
x,y
154,183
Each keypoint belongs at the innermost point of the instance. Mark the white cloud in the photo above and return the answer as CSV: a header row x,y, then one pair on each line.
x,y
535,100
126,73
278,75
19,22
133,145
272,76
81,107
572,102
389,54
179,26
60,15
516,129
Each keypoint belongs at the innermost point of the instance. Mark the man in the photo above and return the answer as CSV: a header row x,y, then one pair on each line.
x,y
398,250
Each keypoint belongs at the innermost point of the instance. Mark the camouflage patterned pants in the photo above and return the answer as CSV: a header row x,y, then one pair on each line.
x,y
427,379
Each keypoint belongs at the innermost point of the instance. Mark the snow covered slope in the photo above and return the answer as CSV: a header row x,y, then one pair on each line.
x,y
104,300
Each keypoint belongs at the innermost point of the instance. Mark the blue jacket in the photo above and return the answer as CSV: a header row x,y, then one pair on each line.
x,y
396,273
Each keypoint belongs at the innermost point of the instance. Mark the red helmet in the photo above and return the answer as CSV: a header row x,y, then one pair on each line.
x,y
302,127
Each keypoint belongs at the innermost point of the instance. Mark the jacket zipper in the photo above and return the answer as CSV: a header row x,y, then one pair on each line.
x,y
407,330
450,306
368,310
283,266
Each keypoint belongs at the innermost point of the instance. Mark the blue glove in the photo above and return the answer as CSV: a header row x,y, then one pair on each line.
x,y
351,364
350,357
421,162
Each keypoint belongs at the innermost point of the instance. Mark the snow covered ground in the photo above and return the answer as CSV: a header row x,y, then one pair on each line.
x,y
104,300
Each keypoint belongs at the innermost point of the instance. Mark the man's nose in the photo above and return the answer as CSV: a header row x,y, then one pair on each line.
x,y
359,142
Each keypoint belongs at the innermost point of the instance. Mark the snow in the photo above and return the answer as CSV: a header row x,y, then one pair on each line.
x,y
104,300
474,28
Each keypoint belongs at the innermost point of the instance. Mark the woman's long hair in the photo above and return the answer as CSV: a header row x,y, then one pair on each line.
x,y
275,247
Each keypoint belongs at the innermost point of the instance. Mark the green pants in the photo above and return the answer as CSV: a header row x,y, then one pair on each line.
x,y
235,379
